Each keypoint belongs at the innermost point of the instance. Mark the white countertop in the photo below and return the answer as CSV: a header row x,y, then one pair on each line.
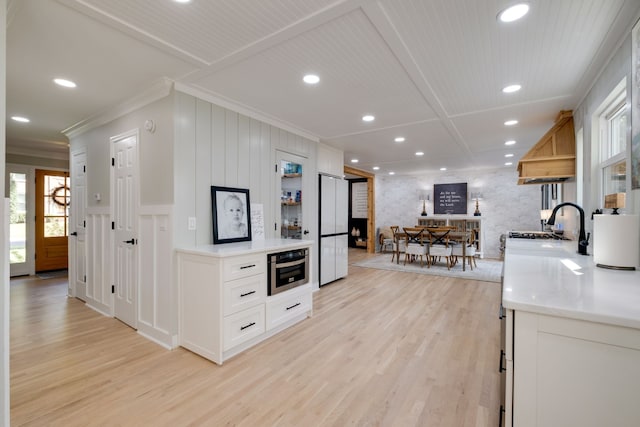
x,y
241,248
550,277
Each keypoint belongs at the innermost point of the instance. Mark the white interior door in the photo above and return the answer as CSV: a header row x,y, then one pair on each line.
x,y
125,215
77,242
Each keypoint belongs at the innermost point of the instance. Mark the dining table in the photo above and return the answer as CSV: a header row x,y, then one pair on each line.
x,y
439,235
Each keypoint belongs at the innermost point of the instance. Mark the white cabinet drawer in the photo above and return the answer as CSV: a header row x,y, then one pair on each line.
x,y
288,306
244,266
243,326
244,293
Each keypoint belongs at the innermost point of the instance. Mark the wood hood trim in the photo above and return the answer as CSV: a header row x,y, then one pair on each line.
x,y
553,158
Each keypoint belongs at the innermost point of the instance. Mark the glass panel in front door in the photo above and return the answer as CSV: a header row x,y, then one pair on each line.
x,y
291,200
17,217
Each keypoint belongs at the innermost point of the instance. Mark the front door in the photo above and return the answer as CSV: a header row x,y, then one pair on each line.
x,y
52,219
125,210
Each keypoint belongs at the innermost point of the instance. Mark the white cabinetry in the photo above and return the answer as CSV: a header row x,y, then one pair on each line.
x,y
569,372
223,303
576,337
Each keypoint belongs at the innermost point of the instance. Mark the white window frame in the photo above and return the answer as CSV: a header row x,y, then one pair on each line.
x,y
613,106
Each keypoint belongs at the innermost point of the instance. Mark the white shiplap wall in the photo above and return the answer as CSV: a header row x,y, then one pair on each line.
x,y
217,146
505,205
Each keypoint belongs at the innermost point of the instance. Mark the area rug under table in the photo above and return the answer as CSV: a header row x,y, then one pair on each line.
x,y
488,270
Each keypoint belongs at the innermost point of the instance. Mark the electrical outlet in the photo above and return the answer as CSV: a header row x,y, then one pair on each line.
x,y
192,223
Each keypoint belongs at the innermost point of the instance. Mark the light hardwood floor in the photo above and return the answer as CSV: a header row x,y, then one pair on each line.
x,y
383,348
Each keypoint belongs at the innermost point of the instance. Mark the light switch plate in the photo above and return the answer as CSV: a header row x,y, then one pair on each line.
x,y
192,223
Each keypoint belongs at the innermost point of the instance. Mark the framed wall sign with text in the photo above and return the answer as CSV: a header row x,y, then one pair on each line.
x,y
450,199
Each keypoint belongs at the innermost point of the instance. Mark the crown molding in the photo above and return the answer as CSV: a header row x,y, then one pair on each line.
x,y
158,90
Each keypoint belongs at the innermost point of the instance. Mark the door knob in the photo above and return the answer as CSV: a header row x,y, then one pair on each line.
x,y
305,232
75,233
131,242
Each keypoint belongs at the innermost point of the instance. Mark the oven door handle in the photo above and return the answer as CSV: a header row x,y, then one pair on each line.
x,y
292,263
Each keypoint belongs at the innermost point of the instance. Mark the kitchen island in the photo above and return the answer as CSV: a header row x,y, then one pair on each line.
x,y
224,298
571,330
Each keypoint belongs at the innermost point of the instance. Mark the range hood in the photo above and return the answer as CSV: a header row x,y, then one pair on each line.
x,y
553,158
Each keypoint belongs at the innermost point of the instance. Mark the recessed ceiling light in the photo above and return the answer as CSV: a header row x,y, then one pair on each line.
x,y
419,153
443,169
20,119
511,88
511,122
513,13
368,118
508,164
510,142
392,173
375,168
64,82
399,139
311,79
354,160
508,155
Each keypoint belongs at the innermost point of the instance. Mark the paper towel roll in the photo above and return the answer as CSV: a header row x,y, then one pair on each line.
x,y
616,241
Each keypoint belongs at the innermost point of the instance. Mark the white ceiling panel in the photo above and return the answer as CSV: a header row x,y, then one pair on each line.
x,y
486,131
468,56
206,30
350,58
46,40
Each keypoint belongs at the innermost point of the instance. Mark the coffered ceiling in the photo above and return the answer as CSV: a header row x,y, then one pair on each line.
x,y
428,70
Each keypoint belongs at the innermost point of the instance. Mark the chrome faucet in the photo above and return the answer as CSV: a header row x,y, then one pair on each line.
x,y
583,241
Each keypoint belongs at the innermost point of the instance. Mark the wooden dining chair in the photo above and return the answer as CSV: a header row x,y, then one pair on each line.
x,y
385,240
469,251
398,243
439,245
415,245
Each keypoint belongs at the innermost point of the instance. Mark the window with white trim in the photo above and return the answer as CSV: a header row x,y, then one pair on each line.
x,y
613,126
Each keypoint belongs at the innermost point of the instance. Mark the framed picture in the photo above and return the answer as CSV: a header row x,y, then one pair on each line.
x,y
231,215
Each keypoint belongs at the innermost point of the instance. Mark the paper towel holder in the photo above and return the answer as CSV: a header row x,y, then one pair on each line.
x,y
616,247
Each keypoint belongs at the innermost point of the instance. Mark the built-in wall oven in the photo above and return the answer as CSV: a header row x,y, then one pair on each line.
x,y
287,269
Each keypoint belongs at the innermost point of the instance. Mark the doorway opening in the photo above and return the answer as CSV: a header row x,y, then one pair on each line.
x,y
371,208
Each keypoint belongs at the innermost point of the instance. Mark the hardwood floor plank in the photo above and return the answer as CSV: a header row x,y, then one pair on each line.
x,y
383,348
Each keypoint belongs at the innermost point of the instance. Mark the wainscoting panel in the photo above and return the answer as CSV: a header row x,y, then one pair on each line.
x,y
99,260
156,297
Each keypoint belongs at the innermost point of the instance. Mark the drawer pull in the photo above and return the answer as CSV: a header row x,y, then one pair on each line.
x,y
502,357
248,293
242,328
293,306
247,266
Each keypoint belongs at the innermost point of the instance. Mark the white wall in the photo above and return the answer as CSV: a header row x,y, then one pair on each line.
x,y
218,146
505,205
156,315
155,154
4,231
619,67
